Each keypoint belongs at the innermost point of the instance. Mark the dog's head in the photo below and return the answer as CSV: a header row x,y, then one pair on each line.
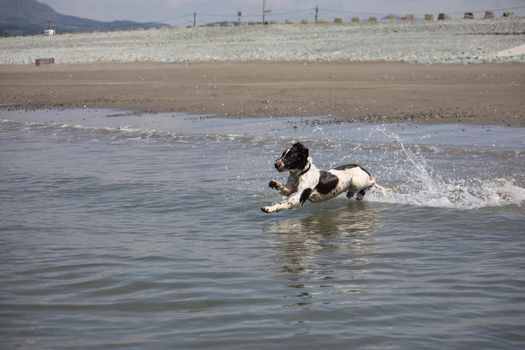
x,y
294,158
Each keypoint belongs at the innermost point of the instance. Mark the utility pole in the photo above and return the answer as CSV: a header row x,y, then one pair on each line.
x,y
239,14
194,19
316,12
264,12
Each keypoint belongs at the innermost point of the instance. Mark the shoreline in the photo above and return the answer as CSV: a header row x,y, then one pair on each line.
x,y
347,91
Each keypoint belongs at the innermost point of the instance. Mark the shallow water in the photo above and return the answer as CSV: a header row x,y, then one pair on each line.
x,y
144,232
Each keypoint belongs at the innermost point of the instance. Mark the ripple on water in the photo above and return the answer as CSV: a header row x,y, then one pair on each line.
x,y
126,237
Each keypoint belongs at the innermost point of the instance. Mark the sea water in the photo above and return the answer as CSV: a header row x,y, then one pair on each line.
x,y
136,231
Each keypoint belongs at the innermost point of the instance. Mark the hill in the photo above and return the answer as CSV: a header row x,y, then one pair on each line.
x,y
28,17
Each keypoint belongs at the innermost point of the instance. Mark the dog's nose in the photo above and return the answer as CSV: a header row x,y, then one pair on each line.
x,y
278,164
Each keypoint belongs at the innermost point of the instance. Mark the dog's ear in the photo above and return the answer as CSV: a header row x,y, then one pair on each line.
x,y
302,155
303,151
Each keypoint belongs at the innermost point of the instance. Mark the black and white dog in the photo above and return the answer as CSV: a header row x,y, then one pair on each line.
x,y
306,182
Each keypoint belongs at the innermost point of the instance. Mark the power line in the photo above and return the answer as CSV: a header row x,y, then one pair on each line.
x,y
292,12
174,18
311,11
324,9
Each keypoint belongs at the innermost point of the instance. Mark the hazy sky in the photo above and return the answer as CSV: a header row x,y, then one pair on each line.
x,y
179,12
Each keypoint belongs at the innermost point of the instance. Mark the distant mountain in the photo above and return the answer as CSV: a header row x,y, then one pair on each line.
x,y
28,17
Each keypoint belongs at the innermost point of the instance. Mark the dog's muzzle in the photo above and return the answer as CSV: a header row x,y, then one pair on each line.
x,y
279,165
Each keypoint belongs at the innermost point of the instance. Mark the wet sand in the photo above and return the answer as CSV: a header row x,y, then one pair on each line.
x,y
376,92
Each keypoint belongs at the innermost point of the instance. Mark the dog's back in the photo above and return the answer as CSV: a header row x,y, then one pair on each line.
x,y
349,178
354,177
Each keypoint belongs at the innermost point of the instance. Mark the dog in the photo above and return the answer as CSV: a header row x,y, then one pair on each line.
x,y
307,183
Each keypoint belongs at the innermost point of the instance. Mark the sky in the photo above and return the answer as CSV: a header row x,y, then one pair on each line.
x,y
180,12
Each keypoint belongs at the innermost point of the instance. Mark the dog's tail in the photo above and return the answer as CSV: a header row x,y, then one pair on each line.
x,y
384,190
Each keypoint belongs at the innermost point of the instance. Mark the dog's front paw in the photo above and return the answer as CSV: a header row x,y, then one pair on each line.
x,y
274,184
268,209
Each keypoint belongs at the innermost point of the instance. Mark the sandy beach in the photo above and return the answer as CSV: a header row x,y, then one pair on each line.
x,y
375,92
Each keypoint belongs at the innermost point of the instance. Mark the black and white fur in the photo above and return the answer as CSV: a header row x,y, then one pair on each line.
x,y
307,182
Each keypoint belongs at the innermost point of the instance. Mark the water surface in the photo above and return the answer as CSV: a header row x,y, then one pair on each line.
x,y
134,231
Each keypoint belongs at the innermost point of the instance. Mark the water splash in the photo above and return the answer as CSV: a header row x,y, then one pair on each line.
x,y
422,185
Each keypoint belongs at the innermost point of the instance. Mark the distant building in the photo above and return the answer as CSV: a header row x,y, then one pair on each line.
x,y
49,32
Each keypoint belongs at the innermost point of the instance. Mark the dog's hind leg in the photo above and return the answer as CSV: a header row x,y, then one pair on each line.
x,y
361,194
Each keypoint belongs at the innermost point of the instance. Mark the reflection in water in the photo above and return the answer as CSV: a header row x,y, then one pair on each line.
x,y
326,253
